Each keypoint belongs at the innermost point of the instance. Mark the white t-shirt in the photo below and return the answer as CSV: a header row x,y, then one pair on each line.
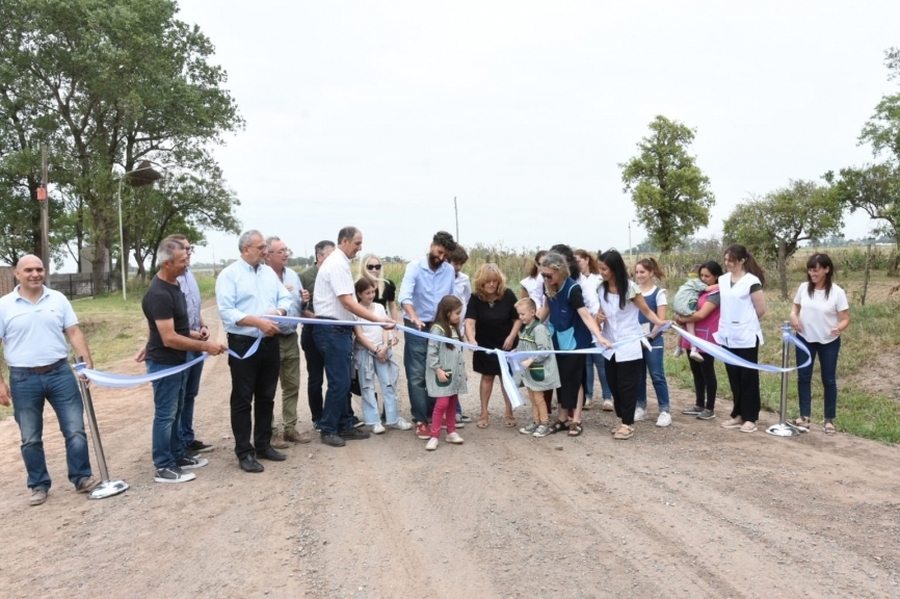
x,y
535,288
819,315
589,285
373,333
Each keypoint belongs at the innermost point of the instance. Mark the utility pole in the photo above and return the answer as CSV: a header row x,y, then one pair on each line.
x,y
456,215
45,212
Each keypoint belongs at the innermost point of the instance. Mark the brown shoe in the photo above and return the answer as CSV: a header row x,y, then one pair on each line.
x,y
86,485
278,442
296,437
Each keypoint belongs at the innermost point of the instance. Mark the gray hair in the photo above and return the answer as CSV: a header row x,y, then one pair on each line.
x,y
270,239
322,246
556,261
245,238
347,233
167,249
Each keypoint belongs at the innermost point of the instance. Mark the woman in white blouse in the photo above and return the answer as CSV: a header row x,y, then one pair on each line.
x,y
820,314
743,303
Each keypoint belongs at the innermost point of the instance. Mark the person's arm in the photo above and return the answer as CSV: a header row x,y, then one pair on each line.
x,y
351,305
591,324
173,340
661,311
843,323
707,309
511,338
523,293
470,331
363,340
759,302
407,288
795,318
79,344
5,396
646,311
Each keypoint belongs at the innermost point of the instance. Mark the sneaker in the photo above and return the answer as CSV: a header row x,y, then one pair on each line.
x,y
197,446
38,496
695,356
607,405
454,438
401,425
529,430
665,419
353,434
542,431
640,414
678,351
588,404
692,411
378,429
423,431
358,423
463,418
189,463
316,426
706,415
173,474
333,440
432,444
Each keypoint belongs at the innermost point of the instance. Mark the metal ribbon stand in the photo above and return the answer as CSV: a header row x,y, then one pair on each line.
x,y
107,488
783,429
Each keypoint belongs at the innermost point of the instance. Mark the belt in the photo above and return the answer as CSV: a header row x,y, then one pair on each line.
x,y
247,338
39,369
425,325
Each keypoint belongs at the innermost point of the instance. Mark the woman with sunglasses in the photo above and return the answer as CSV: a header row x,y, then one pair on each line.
x,y
385,290
571,327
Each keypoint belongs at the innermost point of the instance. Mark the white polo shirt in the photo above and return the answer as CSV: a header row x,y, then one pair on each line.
x,y
333,280
34,333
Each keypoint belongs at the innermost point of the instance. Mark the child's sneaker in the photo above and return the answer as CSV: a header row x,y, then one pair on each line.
x,y
452,438
529,430
639,414
432,444
378,429
695,355
678,351
401,425
542,431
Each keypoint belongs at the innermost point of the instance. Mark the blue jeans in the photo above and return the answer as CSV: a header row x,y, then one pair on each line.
x,y
60,389
191,388
335,344
414,350
828,357
599,362
370,402
167,398
653,361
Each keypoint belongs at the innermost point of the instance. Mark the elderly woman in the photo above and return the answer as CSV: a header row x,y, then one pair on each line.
x,y
491,322
572,326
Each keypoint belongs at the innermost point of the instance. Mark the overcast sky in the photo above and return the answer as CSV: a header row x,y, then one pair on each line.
x,y
377,114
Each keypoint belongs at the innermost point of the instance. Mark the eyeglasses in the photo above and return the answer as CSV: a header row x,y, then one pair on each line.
x,y
284,252
547,275
262,247
373,267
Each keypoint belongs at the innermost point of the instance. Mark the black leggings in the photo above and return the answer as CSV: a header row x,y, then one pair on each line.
x,y
623,380
744,384
705,383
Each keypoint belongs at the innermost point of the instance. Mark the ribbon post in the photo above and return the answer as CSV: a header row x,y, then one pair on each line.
x,y
782,429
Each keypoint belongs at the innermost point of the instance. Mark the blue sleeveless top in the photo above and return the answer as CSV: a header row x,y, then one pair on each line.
x,y
565,324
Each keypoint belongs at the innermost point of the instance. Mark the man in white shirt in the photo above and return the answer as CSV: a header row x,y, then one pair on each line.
x,y
335,299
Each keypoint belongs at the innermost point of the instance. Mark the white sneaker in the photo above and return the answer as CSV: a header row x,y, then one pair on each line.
x,y
378,429
452,438
432,444
402,425
665,419
695,355
588,404
639,414
607,405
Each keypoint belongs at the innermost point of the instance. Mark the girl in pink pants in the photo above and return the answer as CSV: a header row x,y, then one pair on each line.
x,y
445,375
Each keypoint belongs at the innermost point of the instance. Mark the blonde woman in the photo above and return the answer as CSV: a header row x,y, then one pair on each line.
x,y
493,323
385,291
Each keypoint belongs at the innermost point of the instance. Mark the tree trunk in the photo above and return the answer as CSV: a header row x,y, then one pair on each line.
x,y
782,268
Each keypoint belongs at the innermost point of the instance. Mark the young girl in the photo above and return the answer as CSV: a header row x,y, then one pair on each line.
x,y
647,273
372,357
539,372
445,376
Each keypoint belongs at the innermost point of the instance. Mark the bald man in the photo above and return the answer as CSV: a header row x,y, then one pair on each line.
x,y
34,324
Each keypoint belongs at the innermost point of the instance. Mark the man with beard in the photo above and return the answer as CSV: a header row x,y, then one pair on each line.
x,y
425,282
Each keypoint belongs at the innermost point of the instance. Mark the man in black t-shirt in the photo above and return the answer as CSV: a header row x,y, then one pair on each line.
x,y
168,343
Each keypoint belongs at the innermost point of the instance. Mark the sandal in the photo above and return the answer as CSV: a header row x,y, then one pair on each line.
x,y
482,423
557,426
510,422
624,432
799,422
829,428
575,428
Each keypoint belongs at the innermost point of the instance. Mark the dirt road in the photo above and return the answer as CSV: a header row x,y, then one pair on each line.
x,y
693,510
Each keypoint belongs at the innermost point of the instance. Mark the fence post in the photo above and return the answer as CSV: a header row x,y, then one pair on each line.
x,y
862,300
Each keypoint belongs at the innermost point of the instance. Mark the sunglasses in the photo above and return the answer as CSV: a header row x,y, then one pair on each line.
x,y
373,267
547,275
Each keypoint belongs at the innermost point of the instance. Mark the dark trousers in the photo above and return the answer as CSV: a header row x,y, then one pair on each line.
x,y
315,372
744,384
335,343
705,383
253,384
828,357
623,380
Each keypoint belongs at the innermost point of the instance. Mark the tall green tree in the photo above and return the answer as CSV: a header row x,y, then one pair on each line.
x,y
110,82
671,194
772,226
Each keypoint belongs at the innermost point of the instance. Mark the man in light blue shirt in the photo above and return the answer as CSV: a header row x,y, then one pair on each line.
x,y
246,291
426,281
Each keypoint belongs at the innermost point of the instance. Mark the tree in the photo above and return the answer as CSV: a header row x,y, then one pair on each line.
x,y
670,193
108,82
773,226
